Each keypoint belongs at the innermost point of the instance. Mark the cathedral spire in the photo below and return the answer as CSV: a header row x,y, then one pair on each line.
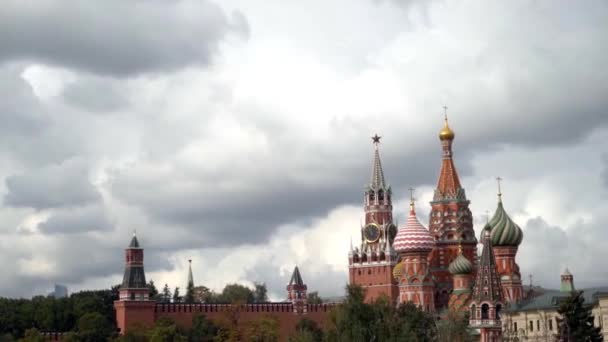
x,y
377,180
487,284
448,186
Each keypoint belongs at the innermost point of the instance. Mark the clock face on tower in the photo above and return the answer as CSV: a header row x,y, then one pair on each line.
x,y
371,232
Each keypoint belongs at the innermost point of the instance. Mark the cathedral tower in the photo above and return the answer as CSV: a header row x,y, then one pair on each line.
x,y
414,243
134,304
450,221
487,302
296,292
506,237
372,260
461,269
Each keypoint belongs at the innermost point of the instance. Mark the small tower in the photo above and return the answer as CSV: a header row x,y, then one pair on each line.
x,y
506,237
134,285
567,284
371,261
190,277
487,302
134,305
461,269
414,243
296,292
450,220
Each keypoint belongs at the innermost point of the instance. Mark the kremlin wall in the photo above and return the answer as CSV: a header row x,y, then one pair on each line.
x,y
438,268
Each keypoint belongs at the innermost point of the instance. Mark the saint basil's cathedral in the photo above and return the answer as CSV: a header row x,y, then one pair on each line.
x,y
437,268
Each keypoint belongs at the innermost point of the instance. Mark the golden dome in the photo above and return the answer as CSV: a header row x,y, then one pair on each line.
x,y
446,132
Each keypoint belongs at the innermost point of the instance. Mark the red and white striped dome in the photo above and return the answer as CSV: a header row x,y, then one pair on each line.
x,y
414,237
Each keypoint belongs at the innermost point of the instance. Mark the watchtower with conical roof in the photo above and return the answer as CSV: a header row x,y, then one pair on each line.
x,y
134,304
450,220
373,258
296,292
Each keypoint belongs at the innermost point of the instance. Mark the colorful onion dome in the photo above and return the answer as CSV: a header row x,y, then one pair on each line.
x,y
460,265
505,232
446,132
398,270
414,237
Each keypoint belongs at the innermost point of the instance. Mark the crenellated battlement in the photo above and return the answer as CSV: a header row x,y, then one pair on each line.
x,y
285,307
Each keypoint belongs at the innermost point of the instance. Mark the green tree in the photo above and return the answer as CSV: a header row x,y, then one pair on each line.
x,y
93,327
32,335
455,327
264,329
166,295
70,337
260,293
189,297
313,298
153,290
236,293
576,321
307,330
176,297
203,330
357,321
165,330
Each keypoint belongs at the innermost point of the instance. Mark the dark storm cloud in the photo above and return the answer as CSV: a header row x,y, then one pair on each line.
x,y
74,259
53,186
114,37
604,171
547,250
20,111
76,220
222,217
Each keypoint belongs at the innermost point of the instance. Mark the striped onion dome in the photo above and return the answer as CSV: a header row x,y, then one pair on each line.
x,y
460,265
414,237
504,232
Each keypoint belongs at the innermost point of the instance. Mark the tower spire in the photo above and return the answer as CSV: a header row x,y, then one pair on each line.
x,y
190,278
377,180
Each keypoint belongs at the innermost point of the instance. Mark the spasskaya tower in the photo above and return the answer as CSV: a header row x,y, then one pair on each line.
x,y
372,260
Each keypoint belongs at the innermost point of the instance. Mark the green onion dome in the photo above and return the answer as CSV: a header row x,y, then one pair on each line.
x,y
504,232
460,265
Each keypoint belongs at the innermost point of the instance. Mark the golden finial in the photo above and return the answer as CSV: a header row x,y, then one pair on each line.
x,y
446,132
460,246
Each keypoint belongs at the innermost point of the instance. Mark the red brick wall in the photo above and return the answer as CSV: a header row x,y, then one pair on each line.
x,y
184,313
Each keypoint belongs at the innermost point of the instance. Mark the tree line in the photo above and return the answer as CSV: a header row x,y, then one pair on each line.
x,y
89,316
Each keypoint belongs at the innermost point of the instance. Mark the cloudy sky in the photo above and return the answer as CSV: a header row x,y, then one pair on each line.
x,y
236,132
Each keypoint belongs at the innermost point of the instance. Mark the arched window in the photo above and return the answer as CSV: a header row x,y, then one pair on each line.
x,y
485,311
381,195
498,309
